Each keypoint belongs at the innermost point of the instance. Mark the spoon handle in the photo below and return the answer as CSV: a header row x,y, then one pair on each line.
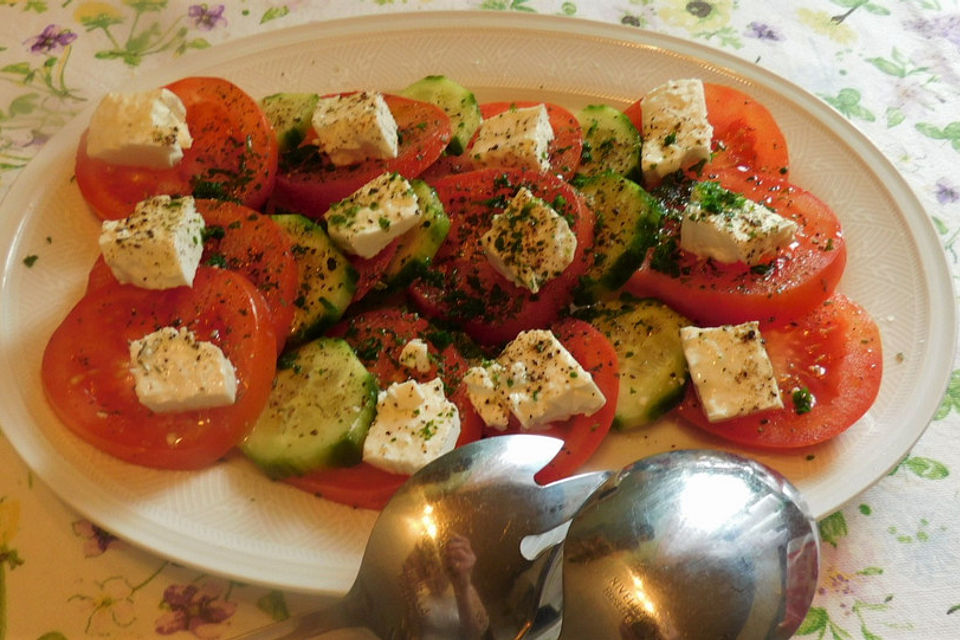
x,y
303,626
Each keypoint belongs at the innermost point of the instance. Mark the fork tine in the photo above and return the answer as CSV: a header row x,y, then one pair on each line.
x,y
566,496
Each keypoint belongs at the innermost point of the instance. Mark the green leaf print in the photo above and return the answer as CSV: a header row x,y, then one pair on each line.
x,y
833,527
274,12
926,468
141,40
898,65
951,399
847,102
507,5
274,605
895,116
950,132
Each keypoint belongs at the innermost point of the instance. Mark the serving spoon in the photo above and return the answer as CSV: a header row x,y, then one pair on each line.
x,y
690,545
459,548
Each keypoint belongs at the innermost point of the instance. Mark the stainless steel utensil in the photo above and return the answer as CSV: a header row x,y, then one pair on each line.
x,y
444,557
690,545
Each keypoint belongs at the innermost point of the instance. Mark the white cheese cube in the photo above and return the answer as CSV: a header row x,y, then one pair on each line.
x,y
728,227
355,127
415,356
675,129
147,129
158,247
175,372
483,390
550,385
515,138
529,243
370,218
731,370
415,424
536,380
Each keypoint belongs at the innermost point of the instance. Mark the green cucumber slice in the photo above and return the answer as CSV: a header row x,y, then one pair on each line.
x,y
457,102
321,406
610,141
327,279
628,223
290,115
653,370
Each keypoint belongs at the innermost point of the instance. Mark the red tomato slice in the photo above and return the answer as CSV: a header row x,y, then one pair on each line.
x,y
362,486
463,286
377,338
581,434
370,270
86,368
564,149
309,183
834,352
234,148
254,245
745,134
799,278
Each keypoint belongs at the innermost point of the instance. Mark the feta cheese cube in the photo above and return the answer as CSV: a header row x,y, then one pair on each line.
x,y
550,385
158,247
515,138
173,372
728,227
676,132
415,356
415,424
354,127
370,218
536,380
529,243
146,129
483,389
731,370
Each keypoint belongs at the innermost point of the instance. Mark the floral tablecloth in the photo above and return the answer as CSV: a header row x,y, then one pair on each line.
x,y
891,561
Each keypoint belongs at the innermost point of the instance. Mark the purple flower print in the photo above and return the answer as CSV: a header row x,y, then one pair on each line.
x,y
97,540
940,27
762,31
194,608
946,192
51,39
206,18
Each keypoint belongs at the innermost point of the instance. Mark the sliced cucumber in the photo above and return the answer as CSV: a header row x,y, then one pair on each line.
x,y
417,247
610,141
327,279
321,406
628,220
456,101
290,116
653,370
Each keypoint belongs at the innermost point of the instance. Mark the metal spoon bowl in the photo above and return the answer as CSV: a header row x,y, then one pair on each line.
x,y
690,545
445,553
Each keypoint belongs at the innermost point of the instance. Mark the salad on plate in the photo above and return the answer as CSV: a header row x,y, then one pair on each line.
x,y
343,287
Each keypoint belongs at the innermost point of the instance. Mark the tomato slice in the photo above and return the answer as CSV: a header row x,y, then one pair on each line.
x,y
378,336
363,486
309,183
463,287
745,134
86,368
834,353
370,270
234,154
581,434
797,280
243,240
564,150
